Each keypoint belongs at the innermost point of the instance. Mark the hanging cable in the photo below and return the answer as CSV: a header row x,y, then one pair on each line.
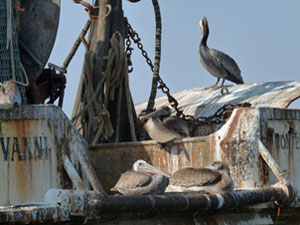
x,y
155,78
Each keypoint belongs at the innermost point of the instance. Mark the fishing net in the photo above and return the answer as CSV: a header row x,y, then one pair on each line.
x,y
10,63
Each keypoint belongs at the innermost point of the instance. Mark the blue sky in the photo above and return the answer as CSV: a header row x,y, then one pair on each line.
x,y
262,36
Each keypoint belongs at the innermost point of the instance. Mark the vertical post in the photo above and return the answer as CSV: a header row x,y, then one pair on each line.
x,y
95,61
110,21
117,25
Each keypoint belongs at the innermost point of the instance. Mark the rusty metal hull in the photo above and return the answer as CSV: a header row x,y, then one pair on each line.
x,y
29,157
40,150
236,143
248,217
73,194
32,141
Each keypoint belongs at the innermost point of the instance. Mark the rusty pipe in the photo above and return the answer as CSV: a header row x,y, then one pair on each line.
x,y
85,4
197,202
97,204
89,8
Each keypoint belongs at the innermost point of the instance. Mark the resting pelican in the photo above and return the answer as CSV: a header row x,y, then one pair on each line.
x,y
216,62
214,178
10,95
139,180
162,127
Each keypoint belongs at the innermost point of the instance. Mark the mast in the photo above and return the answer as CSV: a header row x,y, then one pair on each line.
x,y
106,118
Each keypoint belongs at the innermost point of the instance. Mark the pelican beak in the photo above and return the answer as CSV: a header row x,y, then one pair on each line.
x,y
152,169
160,112
211,167
152,114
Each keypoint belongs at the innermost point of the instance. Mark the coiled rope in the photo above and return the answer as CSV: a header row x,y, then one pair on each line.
x,y
115,74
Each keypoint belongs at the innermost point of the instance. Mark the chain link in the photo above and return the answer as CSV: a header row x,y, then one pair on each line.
x,y
128,52
217,118
137,40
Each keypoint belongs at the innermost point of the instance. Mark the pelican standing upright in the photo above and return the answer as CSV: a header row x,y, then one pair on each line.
x,y
216,62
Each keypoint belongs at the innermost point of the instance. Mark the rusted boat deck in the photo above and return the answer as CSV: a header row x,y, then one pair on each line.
x,y
242,142
48,178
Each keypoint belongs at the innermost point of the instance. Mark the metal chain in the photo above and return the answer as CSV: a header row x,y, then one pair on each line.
x,y
128,52
137,40
221,114
216,118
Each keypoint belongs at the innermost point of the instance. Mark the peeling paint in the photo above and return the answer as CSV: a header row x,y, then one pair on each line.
x,y
206,101
234,143
36,145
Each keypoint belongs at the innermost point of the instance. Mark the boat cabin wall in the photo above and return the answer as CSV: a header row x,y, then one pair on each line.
x,y
235,143
280,131
33,141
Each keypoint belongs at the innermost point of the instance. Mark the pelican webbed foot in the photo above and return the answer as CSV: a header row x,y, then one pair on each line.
x,y
224,88
215,85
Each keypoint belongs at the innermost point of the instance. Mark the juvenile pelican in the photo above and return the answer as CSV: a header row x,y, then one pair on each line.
x,y
162,127
143,179
214,178
216,62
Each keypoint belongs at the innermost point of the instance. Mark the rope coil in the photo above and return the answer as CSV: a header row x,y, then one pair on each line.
x,y
115,75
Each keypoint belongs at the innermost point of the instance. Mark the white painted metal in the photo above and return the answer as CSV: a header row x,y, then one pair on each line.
x,y
28,154
34,142
205,101
285,144
72,173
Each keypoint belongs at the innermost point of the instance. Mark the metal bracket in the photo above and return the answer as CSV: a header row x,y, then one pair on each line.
x,y
58,68
283,180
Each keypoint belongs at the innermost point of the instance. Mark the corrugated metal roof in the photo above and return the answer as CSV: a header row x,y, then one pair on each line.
x,y
205,101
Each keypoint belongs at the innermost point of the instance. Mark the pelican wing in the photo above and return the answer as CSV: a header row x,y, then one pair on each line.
x,y
195,177
176,124
132,179
227,63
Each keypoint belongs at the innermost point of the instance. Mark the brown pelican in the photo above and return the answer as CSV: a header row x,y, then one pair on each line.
x,y
139,180
10,95
162,127
214,178
216,62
